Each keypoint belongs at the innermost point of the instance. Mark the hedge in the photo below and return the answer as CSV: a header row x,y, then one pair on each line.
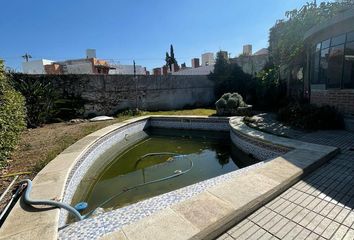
x,y
12,116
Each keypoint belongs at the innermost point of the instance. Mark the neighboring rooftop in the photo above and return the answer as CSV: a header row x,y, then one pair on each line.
x,y
262,51
202,70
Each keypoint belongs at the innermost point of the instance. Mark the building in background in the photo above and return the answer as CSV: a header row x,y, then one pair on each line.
x,y
164,70
208,59
247,50
195,63
82,66
251,63
120,69
262,51
224,54
36,66
90,53
88,65
156,71
203,70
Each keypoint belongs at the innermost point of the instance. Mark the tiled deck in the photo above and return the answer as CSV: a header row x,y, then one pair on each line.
x,y
321,206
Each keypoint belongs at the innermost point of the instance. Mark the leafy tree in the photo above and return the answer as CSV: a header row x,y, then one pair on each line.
x,y
170,58
286,44
270,89
229,77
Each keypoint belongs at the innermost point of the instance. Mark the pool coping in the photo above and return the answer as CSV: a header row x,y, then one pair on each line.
x,y
115,219
190,219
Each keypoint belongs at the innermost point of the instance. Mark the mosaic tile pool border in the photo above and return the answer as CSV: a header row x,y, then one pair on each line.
x,y
214,124
112,221
259,149
84,163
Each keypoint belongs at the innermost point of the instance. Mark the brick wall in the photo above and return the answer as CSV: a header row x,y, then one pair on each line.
x,y
342,99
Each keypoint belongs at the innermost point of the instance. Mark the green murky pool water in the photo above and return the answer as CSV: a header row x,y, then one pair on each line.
x,y
211,152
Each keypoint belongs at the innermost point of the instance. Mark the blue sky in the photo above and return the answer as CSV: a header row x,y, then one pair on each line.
x,y
143,30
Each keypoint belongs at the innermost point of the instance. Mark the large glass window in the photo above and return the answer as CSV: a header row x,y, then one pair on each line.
x,y
335,66
323,73
338,40
316,68
350,36
325,43
332,62
348,75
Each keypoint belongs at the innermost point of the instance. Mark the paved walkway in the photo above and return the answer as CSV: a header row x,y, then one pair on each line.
x,y
321,206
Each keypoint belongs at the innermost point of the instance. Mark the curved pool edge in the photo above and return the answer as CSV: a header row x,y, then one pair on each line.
x,y
212,212
50,183
118,139
259,185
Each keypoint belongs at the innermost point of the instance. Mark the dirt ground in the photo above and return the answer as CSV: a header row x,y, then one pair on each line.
x,y
39,146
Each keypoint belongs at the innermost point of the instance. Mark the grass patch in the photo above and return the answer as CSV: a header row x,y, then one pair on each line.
x,y
197,111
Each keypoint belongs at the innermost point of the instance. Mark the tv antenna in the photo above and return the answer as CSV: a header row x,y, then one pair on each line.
x,y
26,57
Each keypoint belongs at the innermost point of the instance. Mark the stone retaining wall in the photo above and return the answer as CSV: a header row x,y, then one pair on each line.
x,y
108,94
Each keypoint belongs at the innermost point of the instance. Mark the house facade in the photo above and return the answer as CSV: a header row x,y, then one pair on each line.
x,y
329,74
120,69
252,63
88,65
36,66
79,66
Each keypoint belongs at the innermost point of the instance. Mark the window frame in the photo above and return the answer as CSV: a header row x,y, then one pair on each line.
x,y
328,44
345,48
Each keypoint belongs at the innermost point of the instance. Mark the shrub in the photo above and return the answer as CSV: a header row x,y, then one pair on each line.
x,y
39,97
311,117
44,103
232,103
221,103
229,104
12,116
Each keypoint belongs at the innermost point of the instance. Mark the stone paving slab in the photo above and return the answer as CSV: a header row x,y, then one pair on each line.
x,y
321,206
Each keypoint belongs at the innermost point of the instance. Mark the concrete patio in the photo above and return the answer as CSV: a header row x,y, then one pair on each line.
x,y
320,206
